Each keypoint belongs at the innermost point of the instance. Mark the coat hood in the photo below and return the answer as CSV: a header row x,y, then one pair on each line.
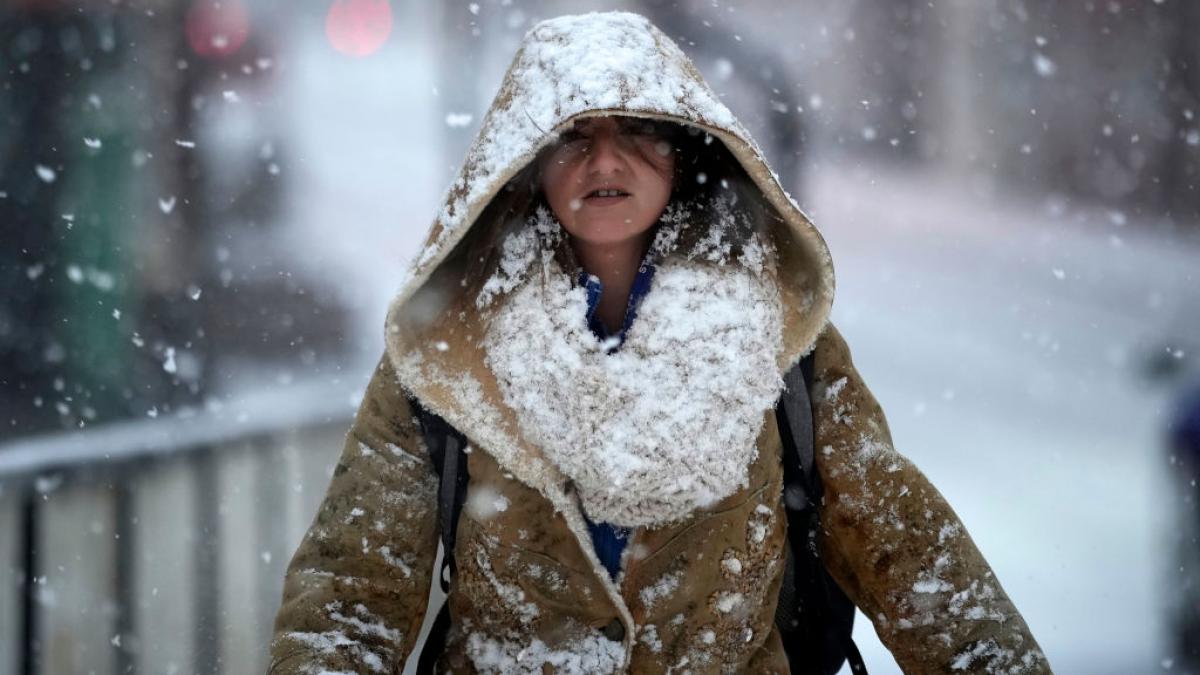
x,y
613,63
567,68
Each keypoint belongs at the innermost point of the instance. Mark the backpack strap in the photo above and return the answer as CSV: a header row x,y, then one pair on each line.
x,y
446,448
793,413
814,616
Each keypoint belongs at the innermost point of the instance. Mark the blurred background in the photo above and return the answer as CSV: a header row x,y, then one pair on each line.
x,y
205,206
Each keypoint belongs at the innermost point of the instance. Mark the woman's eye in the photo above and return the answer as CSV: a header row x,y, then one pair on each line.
x,y
639,129
571,142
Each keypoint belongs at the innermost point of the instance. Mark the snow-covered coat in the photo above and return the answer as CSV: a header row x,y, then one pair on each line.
x,y
697,590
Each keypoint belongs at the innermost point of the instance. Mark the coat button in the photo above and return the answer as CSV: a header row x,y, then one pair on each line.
x,y
615,630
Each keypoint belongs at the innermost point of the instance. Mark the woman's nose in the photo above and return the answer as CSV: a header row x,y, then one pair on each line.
x,y
605,155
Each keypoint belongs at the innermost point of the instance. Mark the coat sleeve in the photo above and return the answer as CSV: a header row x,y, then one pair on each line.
x,y
897,548
356,590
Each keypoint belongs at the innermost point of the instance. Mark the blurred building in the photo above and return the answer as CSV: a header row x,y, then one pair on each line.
x,y
141,228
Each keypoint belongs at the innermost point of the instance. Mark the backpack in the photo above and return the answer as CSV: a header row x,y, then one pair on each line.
x,y
814,617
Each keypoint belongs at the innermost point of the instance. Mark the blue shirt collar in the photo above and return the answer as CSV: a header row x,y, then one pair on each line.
x,y
641,286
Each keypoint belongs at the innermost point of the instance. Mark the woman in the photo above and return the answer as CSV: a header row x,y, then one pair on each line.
x,y
604,309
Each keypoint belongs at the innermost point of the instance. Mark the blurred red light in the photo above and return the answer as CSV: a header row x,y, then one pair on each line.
x,y
358,27
217,28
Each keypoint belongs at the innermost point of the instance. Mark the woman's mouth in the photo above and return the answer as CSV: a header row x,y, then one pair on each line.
x,y
604,197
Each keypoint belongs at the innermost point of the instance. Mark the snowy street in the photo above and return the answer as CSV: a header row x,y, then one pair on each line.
x,y
1004,342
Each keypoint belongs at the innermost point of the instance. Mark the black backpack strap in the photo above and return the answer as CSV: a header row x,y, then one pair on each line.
x,y
802,488
451,493
446,448
814,616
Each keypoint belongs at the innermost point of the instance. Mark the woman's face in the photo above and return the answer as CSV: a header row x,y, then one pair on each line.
x,y
608,179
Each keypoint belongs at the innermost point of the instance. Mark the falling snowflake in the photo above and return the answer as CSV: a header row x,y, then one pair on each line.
x,y
1043,65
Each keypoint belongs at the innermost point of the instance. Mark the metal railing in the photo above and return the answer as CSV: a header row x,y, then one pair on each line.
x,y
159,545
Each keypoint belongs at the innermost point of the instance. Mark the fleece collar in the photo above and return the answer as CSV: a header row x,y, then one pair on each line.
x,y
668,423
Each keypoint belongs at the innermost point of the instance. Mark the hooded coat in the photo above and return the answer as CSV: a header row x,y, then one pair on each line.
x,y
696,592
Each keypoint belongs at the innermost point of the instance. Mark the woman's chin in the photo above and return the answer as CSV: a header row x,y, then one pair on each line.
x,y
607,233
606,240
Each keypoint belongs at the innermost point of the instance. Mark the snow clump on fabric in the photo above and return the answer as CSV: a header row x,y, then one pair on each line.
x,y
518,252
668,423
591,653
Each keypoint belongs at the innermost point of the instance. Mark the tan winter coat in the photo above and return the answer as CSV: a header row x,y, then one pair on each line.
x,y
697,595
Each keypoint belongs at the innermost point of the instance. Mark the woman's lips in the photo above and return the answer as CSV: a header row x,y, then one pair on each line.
x,y
605,196
604,201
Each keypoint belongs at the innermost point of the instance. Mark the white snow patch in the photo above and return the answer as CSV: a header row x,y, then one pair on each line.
x,y
325,642
649,637
947,531
835,389
666,585
518,252
680,403
590,653
511,594
484,502
365,622
727,602
930,581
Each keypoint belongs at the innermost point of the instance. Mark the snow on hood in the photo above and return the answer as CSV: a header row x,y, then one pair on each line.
x,y
613,63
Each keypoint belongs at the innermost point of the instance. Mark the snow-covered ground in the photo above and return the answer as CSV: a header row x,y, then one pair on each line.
x,y
1003,334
